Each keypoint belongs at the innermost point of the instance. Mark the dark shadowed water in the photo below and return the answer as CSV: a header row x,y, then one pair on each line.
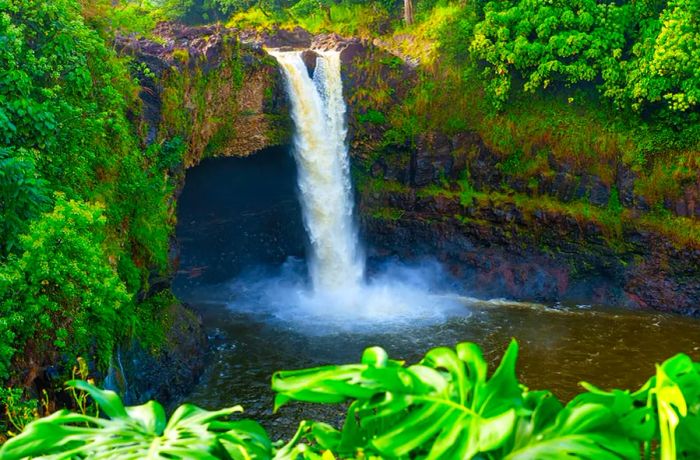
x,y
240,225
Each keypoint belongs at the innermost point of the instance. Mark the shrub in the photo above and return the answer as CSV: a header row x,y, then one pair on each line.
x,y
61,293
23,195
640,56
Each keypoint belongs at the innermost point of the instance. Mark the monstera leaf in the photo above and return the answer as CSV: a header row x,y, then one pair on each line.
x,y
443,407
676,391
446,406
139,432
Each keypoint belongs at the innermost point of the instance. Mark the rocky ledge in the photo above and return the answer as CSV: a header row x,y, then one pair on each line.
x,y
211,87
140,375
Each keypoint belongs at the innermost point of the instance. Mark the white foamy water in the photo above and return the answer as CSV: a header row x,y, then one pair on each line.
x,y
339,295
318,110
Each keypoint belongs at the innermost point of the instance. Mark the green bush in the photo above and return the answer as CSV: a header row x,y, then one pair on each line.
x,y
638,54
372,116
445,407
61,293
23,195
66,100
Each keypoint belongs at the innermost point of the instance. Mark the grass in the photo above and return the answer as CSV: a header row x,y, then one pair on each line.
x,y
612,220
380,185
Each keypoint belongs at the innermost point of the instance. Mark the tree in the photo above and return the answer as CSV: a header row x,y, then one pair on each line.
x,y
408,11
669,59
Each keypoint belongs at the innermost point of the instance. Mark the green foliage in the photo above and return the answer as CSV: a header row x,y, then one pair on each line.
x,y
637,57
51,62
667,59
18,411
23,195
614,204
446,406
466,192
549,42
66,100
62,293
139,432
372,116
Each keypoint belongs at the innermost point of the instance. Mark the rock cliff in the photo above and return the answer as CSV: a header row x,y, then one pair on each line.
x,y
519,221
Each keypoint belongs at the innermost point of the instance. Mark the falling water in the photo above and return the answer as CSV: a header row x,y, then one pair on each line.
x,y
318,110
340,296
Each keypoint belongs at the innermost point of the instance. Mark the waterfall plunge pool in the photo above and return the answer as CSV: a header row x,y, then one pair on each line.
x,y
240,225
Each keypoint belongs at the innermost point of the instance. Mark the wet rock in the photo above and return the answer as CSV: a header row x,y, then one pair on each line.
x,y
599,192
691,200
593,189
349,48
563,186
309,57
496,251
433,159
378,170
483,171
140,375
625,185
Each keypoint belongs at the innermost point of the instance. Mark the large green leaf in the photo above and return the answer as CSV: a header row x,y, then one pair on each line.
x,y
580,430
443,407
139,432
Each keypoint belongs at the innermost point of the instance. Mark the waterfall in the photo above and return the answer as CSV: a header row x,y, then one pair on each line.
x,y
341,297
336,262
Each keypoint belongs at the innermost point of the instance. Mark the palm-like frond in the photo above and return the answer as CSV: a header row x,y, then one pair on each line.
x,y
139,432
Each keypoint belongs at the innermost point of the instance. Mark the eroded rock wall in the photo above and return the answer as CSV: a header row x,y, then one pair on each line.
x,y
205,85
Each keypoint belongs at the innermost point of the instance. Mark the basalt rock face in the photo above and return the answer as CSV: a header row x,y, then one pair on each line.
x,y
505,244
140,375
296,38
205,85
498,248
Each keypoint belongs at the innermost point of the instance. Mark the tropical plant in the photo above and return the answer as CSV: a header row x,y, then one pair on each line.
x,y
444,407
23,196
641,54
18,411
65,283
139,432
67,109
